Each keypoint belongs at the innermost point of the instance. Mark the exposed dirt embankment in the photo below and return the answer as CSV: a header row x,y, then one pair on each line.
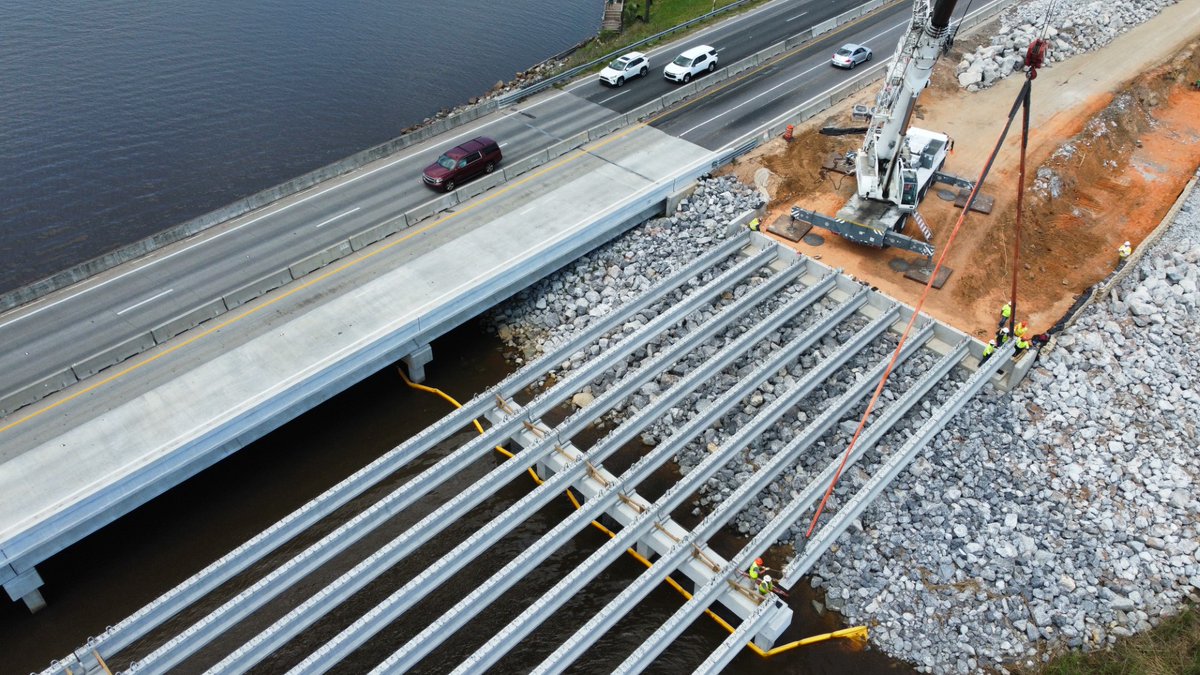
x,y
1103,166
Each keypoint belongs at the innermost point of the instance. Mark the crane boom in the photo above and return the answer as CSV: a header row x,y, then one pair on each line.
x,y
896,163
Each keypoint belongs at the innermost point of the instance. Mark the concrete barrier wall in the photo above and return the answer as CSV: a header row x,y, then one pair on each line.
x,y
320,259
605,128
36,391
567,145
426,210
822,28
256,288
519,167
644,112
379,232
480,186
739,67
113,355
770,52
188,320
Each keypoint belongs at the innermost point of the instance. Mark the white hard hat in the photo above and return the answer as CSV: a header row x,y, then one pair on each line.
x,y
767,578
1126,243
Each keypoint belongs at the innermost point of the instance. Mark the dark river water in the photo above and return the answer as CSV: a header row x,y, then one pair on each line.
x,y
123,117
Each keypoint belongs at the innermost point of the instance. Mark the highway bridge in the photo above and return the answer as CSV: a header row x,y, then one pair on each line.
x,y
139,377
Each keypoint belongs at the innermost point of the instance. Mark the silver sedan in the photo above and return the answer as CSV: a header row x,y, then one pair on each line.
x,y
851,55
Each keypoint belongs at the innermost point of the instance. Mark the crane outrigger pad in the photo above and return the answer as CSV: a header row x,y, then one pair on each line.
x,y
789,228
921,273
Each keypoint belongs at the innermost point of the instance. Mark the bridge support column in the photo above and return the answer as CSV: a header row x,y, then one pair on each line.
x,y
779,621
416,363
25,587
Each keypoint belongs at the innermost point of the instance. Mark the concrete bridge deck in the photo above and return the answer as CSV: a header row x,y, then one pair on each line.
x,y
82,458
738,296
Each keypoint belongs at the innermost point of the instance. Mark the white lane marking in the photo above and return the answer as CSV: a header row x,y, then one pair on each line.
x,y
612,97
214,237
503,144
797,16
139,304
337,216
784,83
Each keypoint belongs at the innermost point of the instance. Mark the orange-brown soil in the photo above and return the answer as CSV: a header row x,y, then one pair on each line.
x,y
1120,139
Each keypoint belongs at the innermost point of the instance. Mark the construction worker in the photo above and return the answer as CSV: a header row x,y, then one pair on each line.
x,y
1020,330
754,225
988,350
1022,345
1039,339
766,586
1005,313
1124,250
756,568
1002,336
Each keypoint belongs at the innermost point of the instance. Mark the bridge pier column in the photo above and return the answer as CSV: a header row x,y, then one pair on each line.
x,y
25,587
416,363
779,621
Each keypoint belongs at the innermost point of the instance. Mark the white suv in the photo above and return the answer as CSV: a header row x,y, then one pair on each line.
x,y
633,64
691,63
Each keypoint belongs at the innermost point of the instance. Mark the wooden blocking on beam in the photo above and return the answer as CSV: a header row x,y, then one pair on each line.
x,y
920,273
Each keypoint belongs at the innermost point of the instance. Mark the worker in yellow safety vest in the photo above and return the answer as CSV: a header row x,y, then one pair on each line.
x,y
756,568
988,350
1002,336
754,225
1005,313
1020,330
1124,250
765,586
1022,345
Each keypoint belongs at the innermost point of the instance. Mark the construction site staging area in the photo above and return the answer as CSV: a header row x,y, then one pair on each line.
x,y
1061,514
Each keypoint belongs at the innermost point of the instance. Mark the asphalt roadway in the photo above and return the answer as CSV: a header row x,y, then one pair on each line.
x,y
68,327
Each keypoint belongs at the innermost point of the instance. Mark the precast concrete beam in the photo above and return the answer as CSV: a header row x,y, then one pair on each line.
x,y
704,595
200,584
541,609
302,616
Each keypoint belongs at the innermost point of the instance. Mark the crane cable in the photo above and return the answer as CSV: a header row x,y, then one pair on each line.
x,y
1034,59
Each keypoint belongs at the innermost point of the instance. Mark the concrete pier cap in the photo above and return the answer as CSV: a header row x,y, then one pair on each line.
x,y
416,362
25,587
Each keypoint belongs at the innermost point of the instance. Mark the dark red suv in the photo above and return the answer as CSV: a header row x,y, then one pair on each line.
x,y
462,163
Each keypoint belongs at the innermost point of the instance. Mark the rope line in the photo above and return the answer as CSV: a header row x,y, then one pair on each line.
x,y
1022,96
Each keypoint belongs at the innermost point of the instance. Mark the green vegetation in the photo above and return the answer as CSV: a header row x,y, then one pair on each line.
x,y
1172,648
664,14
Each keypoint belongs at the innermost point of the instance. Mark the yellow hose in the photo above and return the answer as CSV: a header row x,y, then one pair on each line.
x,y
857,632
